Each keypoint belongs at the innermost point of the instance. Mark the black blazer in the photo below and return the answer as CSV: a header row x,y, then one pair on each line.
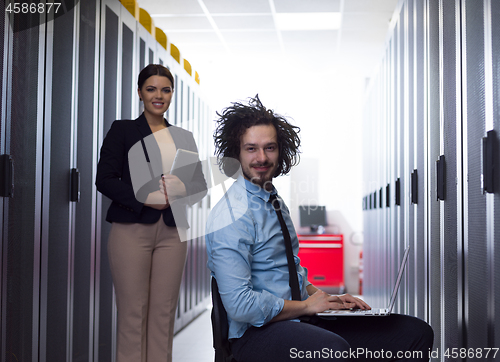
x,y
114,180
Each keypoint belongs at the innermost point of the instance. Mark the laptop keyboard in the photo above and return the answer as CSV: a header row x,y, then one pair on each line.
x,y
371,311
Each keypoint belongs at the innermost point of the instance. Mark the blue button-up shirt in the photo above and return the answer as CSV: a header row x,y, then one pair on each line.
x,y
246,254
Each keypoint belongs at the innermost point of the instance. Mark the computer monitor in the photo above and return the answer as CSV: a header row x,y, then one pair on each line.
x,y
312,216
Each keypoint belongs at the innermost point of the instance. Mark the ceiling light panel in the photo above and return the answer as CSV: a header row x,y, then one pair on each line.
x,y
197,53
171,7
251,37
257,51
307,21
174,23
237,6
367,21
370,6
312,43
361,37
258,22
309,6
182,38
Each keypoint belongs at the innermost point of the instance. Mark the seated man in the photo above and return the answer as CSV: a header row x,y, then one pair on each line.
x,y
270,303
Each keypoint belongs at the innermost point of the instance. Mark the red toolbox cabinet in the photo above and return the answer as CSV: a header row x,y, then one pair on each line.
x,y
323,256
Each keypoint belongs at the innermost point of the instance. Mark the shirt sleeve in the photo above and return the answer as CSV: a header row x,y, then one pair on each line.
x,y
230,259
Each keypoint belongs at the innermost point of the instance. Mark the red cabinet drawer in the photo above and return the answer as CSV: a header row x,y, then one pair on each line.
x,y
323,256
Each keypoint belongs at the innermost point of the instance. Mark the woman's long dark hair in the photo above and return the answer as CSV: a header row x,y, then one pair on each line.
x,y
236,119
154,69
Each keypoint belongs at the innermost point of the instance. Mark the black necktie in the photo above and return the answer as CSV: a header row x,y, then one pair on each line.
x,y
292,270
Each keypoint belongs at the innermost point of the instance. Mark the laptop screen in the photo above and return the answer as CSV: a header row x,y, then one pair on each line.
x,y
398,280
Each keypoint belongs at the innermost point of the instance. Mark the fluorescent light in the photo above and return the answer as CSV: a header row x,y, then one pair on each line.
x,y
307,21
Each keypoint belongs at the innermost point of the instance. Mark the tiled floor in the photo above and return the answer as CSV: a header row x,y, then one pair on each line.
x,y
194,342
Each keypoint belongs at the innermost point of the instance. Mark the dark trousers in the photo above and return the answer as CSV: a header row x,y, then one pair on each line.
x,y
392,338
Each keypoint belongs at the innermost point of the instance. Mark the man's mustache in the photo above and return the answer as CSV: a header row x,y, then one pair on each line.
x,y
265,164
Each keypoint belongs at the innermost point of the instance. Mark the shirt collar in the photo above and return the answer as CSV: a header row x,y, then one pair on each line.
x,y
255,189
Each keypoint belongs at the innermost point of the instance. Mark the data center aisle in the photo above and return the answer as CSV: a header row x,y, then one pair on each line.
x,y
194,342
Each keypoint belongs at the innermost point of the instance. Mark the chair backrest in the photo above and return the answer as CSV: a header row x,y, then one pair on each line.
x,y
220,327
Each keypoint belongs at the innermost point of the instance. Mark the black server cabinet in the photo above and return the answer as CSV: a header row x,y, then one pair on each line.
x,y
127,97
494,305
108,108
433,134
399,160
475,237
21,212
63,83
442,60
85,210
420,244
56,246
451,265
409,159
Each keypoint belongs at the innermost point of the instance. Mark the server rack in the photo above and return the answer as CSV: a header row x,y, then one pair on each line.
x,y
442,60
64,80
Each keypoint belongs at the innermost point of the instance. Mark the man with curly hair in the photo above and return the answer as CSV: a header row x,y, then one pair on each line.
x,y
270,304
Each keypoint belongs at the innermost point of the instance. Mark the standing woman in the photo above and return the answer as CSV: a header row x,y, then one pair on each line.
x,y
146,254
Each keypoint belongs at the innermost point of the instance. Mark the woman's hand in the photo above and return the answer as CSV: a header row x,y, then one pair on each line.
x,y
172,187
157,200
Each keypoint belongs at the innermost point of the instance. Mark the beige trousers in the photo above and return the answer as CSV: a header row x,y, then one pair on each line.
x,y
147,261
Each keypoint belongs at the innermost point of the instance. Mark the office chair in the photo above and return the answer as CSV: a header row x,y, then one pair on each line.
x,y
220,327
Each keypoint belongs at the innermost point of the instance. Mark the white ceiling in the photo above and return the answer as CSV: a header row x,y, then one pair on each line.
x,y
206,31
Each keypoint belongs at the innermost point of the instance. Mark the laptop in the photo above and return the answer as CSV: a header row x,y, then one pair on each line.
x,y
374,312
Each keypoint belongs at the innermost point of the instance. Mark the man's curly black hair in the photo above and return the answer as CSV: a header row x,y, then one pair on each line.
x,y
236,119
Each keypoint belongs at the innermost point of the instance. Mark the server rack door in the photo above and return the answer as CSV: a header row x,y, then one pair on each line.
x,y
475,238
109,104
5,51
380,178
141,46
199,243
162,56
85,209
129,71
21,215
433,135
175,113
390,171
387,124
420,244
493,36
164,59
394,164
367,118
146,45
400,155
57,239
183,306
206,152
128,74
409,161
451,238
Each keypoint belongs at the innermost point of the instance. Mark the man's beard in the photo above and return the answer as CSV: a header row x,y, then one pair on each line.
x,y
263,181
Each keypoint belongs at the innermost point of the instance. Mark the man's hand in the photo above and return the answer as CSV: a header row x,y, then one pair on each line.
x,y
352,302
321,301
345,301
318,302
